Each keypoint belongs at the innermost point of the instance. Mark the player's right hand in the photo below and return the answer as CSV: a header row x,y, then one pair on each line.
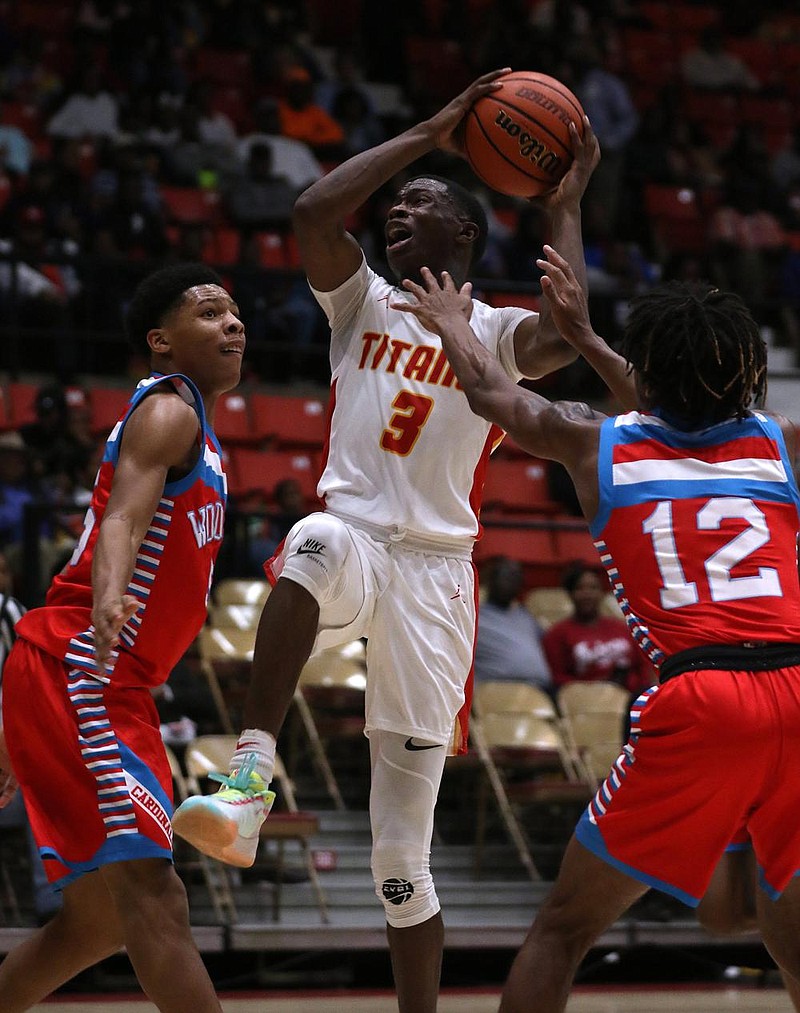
x,y
446,122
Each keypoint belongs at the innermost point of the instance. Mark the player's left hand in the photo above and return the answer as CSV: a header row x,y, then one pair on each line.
x,y
586,155
567,300
436,303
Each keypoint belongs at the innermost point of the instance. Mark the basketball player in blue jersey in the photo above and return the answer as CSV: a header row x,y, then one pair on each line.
x,y
81,729
389,558
728,907
695,512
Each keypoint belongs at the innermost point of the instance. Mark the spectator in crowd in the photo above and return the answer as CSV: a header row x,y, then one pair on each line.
x,y
59,451
25,77
17,488
16,149
213,125
90,110
347,76
292,159
509,640
268,531
129,227
590,647
38,285
607,101
709,65
303,120
784,168
190,157
748,243
260,199
362,127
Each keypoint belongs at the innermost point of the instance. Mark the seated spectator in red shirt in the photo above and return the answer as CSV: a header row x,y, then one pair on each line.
x,y
590,647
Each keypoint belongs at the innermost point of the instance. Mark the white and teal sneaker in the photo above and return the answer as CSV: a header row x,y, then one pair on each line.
x,y
225,825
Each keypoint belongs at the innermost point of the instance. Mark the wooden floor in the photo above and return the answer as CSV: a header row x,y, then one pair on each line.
x,y
585,1000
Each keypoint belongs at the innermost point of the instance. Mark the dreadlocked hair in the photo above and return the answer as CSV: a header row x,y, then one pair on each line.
x,y
697,350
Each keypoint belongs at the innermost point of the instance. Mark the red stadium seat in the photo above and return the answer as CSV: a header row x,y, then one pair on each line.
x,y
676,216
526,300
232,421
575,545
21,402
107,404
532,546
289,421
226,67
191,204
258,472
517,486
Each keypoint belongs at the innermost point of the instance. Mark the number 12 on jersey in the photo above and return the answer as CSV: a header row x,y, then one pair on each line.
x,y
676,591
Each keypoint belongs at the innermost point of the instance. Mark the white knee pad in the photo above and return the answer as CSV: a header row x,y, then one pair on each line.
x,y
405,785
315,553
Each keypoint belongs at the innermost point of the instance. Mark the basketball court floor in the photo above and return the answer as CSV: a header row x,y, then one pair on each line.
x,y
665,999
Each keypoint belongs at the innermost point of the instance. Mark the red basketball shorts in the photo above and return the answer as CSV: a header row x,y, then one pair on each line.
x,y
711,754
90,762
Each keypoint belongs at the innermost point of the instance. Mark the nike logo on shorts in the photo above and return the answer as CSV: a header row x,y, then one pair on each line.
x,y
412,746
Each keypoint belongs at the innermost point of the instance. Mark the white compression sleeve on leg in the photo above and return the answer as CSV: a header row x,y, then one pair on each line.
x,y
405,785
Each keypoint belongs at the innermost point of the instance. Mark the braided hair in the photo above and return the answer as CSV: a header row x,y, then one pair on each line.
x,y
697,350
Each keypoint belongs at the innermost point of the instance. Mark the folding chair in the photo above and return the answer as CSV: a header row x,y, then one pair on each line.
x,y
329,699
215,874
527,764
225,657
517,486
240,616
209,753
508,697
593,722
236,591
592,698
548,605
595,737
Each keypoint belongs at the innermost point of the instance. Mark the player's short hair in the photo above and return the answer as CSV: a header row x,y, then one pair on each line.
x,y
698,351
158,294
469,207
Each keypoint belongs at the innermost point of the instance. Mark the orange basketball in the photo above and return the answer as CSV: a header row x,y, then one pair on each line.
x,y
517,138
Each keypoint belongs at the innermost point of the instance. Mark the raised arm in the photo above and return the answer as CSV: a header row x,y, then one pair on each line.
x,y
565,294
562,431
160,434
538,345
329,253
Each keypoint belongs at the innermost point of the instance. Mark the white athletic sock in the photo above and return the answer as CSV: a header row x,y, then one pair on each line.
x,y
254,742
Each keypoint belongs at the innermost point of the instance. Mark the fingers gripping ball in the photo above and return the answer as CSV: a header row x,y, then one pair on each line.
x,y
517,138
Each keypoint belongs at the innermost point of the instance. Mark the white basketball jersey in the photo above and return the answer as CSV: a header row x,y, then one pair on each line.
x,y
406,452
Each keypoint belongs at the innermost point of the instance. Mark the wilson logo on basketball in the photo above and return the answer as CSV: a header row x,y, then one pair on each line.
x,y
530,147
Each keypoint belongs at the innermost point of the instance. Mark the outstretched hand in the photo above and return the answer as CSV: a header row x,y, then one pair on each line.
x,y
446,123
586,155
436,303
568,304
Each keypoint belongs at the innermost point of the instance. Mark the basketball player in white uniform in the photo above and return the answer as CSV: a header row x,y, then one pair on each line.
x,y
390,557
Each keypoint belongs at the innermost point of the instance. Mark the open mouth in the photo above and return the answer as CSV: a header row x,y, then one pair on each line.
x,y
237,349
397,235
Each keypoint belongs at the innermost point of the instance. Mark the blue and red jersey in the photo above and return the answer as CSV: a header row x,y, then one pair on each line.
x,y
173,569
698,531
